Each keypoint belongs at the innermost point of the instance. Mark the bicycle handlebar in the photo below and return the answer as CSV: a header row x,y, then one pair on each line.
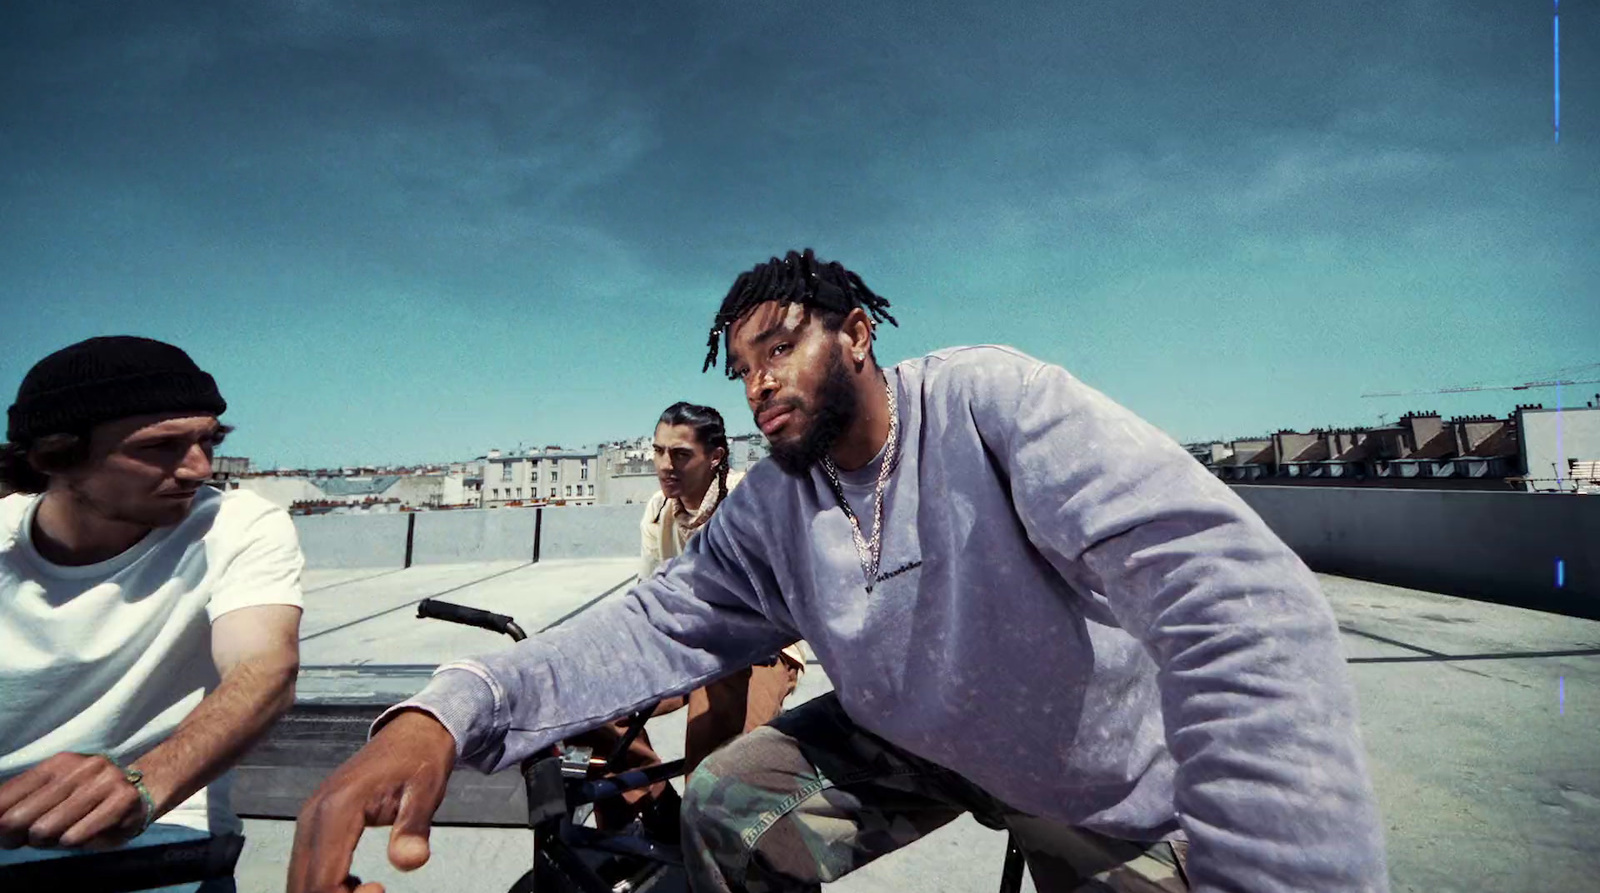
x,y
497,623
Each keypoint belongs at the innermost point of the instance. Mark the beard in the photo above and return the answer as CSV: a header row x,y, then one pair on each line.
x,y
834,411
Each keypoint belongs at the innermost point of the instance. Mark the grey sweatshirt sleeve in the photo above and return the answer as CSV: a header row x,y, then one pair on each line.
x,y
1272,786
699,618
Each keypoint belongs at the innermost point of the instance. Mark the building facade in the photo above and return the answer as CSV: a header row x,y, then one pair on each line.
x,y
1420,450
552,475
1560,449
397,490
628,470
226,471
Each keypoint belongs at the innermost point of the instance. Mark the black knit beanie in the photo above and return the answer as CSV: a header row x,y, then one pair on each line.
x,y
103,379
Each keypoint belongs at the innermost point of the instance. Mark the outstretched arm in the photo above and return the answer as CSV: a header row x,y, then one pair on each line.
x,y
712,609
707,612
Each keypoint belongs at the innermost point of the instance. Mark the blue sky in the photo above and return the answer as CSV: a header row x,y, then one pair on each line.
x,y
400,232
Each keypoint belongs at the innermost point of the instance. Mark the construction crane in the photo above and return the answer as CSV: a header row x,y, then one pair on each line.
x,y
1525,386
1532,385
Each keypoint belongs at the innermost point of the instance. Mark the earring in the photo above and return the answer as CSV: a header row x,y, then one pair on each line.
x,y
860,356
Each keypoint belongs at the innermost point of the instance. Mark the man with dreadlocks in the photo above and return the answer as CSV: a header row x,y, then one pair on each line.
x,y
1033,606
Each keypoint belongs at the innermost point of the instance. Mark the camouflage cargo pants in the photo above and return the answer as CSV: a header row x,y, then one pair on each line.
x,y
811,797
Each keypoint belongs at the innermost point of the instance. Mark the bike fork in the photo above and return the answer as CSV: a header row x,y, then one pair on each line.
x,y
1011,875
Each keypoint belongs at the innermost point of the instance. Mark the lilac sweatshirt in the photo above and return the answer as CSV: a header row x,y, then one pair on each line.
x,y
1071,612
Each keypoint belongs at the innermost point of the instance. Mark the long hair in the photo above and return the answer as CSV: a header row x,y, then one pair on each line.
x,y
54,453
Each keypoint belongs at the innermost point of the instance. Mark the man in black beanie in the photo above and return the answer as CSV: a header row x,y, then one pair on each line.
x,y
149,624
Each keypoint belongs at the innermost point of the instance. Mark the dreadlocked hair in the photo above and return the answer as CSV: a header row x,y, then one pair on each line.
x,y
796,278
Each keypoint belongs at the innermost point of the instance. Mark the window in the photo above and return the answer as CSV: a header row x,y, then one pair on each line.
x,y
533,476
505,471
552,493
555,475
519,492
569,489
495,493
591,489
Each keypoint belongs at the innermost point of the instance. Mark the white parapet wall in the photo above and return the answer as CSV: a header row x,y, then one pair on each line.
x,y
1531,550
451,537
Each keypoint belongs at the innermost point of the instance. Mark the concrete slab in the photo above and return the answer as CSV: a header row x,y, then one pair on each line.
x,y
353,684
463,860
1458,626
1479,721
374,621
358,600
318,579
962,857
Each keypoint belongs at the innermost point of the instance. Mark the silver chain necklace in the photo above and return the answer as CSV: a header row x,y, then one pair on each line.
x,y
868,552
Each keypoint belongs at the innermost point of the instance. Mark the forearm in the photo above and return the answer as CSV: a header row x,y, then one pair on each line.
x,y
220,730
613,661
695,621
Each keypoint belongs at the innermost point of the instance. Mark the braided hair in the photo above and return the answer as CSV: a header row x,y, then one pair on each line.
x,y
708,429
796,278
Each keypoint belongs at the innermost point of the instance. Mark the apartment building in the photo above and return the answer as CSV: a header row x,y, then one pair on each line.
x,y
543,476
1533,448
1559,449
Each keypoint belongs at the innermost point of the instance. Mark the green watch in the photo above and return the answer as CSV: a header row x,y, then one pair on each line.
x,y
135,777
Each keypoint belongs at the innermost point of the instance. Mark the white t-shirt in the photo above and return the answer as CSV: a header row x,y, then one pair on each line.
x,y
110,657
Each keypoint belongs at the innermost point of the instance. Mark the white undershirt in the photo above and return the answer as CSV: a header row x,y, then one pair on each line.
x,y
110,657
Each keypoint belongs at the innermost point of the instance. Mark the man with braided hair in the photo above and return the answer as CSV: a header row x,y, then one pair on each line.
x,y
1033,606
692,465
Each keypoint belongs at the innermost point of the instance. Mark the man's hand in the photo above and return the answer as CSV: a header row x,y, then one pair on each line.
x,y
69,800
398,778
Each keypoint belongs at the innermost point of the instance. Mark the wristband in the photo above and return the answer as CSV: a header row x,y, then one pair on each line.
x,y
135,777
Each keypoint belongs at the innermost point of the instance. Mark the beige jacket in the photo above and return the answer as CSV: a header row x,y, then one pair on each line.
x,y
666,528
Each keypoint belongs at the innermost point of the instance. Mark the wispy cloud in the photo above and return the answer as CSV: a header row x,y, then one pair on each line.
x,y
1136,191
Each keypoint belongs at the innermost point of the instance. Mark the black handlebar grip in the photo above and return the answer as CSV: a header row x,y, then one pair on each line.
x,y
438,610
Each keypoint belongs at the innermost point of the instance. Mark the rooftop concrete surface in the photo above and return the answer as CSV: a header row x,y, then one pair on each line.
x,y
354,618
1479,722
